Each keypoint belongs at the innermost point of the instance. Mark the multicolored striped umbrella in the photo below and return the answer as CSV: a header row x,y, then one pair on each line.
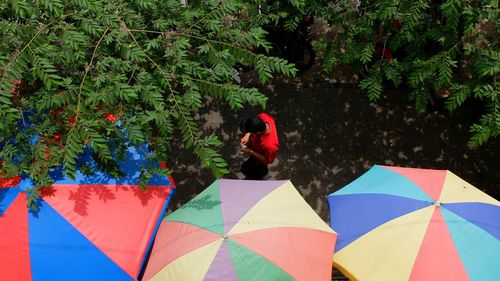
x,y
415,224
92,228
243,230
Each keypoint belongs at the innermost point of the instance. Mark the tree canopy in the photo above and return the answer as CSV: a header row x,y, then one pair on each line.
x,y
444,51
99,75
104,75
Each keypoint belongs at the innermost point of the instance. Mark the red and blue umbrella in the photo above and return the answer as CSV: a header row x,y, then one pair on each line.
x,y
415,224
92,228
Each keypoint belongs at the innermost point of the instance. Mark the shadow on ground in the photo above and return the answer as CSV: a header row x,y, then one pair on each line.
x,y
330,135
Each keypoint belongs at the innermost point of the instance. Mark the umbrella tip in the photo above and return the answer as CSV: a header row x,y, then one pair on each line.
x,y
437,203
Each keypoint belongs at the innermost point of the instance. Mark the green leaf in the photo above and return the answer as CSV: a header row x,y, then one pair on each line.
x,y
367,53
459,96
373,85
420,97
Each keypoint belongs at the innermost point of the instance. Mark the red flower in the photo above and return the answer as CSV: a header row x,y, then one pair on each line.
x,y
396,23
8,182
385,52
110,117
57,137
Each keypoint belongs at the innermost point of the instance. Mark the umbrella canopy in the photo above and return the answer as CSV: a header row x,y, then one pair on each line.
x,y
243,230
415,224
91,228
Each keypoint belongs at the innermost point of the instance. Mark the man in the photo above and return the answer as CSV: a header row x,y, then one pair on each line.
x,y
260,142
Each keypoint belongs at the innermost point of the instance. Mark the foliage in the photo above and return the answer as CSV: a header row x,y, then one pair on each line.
x,y
71,69
443,50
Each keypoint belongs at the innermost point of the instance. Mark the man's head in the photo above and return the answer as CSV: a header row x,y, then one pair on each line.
x,y
253,125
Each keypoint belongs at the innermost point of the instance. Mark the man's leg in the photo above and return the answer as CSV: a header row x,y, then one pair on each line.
x,y
254,170
261,171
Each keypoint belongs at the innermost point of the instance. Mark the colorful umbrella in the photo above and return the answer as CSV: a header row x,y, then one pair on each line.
x,y
243,230
415,224
91,228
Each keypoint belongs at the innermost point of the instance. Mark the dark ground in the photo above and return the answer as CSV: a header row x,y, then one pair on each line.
x,y
331,134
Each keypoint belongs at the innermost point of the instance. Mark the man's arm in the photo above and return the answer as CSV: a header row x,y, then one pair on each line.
x,y
255,154
244,140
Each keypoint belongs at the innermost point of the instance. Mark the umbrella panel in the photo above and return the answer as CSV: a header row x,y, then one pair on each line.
x,y
191,266
438,254
260,269
178,239
294,249
97,211
478,250
222,267
14,257
376,210
51,238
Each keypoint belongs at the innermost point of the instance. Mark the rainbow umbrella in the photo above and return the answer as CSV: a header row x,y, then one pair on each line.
x,y
243,230
415,224
92,228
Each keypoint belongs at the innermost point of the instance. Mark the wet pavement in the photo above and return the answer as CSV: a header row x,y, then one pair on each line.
x,y
330,134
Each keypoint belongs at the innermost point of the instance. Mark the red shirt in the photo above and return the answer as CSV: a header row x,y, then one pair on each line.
x,y
266,144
